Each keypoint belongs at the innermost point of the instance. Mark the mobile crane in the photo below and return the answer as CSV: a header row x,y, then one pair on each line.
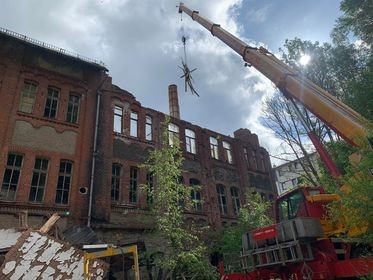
x,y
303,244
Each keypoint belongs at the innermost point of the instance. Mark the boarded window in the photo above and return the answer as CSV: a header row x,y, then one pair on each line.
x,y
28,97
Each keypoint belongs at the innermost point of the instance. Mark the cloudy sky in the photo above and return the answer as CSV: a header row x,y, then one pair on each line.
x,y
140,43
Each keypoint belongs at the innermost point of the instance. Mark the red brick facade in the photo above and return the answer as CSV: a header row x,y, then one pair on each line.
x,y
61,139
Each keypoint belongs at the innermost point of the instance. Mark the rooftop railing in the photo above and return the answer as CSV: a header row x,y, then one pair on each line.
x,y
50,47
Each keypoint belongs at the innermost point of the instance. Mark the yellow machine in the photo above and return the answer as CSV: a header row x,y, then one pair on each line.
x,y
110,250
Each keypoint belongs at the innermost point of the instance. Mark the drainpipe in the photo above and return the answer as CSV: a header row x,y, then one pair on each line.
x,y
94,154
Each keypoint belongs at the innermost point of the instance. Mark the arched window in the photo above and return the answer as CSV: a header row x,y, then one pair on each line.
x,y
235,200
195,195
190,141
222,199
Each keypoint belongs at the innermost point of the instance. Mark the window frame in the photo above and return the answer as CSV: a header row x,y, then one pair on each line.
x,y
150,188
235,195
115,182
227,148
254,159
13,170
148,128
75,109
52,89
196,195
23,96
134,124
222,199
173,133
41,174
118,117
64,175
133,185
214,147
190,141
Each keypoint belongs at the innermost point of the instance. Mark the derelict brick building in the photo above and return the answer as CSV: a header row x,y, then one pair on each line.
x,y
65,130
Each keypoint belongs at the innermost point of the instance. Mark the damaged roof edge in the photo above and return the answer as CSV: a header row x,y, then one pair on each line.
x,y
60,51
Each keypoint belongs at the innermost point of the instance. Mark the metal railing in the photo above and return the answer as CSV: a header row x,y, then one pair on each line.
x,y
50,47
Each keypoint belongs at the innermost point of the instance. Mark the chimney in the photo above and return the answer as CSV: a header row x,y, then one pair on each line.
x,y
173,100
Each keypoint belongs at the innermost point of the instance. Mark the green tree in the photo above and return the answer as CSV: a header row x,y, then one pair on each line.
x,y
184,254
357,19
355,204
253,214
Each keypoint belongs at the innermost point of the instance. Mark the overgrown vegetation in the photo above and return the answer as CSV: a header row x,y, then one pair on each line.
x,y
184,254
253,214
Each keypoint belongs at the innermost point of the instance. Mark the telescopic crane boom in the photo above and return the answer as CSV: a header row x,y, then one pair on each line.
x,y
343,120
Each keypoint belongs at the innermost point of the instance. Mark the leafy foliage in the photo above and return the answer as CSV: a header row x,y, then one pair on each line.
x,y
356,199
184,253
253,214
357,19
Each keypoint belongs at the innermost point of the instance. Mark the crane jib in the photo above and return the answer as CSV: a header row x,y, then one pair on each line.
x,y
342,119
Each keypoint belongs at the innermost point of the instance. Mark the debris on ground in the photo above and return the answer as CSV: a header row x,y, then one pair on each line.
x,y
39,256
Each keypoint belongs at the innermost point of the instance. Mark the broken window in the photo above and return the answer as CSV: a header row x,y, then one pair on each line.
x,y
214,148
118,117
150,188
73,109
11,177
246,155
254,161
262,160
133,125
235,200
190,141
28,97
173,133
195,194
133,184
64,182
222,199
115,181
148,128
50,110
227,152
39,179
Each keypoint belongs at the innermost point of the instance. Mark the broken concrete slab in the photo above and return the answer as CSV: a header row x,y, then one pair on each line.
x,y
9,237
38,256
